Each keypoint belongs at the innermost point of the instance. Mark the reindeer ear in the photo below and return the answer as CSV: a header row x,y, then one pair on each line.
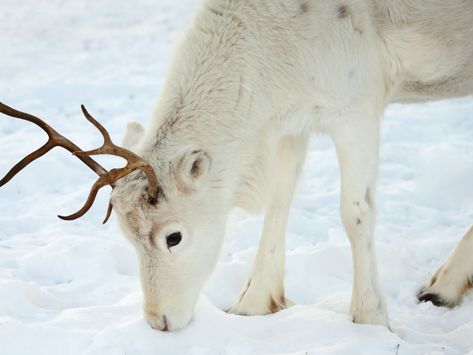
x,y
133,134
191,168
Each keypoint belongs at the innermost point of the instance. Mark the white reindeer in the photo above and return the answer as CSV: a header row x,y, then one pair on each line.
x,y
251,80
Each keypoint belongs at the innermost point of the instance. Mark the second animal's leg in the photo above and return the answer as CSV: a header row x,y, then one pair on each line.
x,y
357,144
264,292
453,279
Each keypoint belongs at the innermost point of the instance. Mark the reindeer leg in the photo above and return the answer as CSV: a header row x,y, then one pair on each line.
x,y
453,279
264,292
357,143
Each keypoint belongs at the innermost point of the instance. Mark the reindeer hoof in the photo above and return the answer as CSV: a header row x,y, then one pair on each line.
x,y
246,307
436,299
371,311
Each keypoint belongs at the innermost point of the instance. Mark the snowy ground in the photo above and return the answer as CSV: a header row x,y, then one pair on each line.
x,y
72,287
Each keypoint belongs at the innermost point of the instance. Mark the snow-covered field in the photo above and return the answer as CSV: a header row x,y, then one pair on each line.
x,y
72,287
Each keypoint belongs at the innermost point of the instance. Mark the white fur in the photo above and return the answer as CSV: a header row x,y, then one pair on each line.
x,y
133,134
250,81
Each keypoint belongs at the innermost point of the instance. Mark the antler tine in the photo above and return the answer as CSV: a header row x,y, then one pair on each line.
x,y
109,212
101,182
7,110
10,111
134,162
107,179
91,119
55,140
24,162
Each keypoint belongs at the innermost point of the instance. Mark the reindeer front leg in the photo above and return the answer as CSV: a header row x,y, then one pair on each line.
x,y
264,292
454,278
357,143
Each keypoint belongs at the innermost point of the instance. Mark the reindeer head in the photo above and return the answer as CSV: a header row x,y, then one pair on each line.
x,y
177,239
173,227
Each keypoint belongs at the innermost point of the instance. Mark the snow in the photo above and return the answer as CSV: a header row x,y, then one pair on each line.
x,y
72,287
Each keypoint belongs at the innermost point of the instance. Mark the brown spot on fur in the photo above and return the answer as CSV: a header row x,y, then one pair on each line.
x,y
273,306
216,12
151,240
282,300
304,8
468,285
358,221
432,281
433,89
246,289
343,12
368,196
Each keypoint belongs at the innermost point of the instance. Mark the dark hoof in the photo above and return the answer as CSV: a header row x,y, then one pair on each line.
x,y
432,297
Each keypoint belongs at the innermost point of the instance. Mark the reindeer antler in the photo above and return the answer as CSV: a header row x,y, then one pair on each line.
x,y
134,162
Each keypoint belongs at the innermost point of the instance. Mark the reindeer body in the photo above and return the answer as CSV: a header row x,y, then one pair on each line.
x,y
429,44
249,83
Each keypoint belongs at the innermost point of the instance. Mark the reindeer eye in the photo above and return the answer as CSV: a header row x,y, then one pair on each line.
x,y
173,239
